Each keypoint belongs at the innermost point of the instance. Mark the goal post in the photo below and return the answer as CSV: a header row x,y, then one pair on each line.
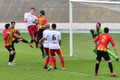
x,y
83,24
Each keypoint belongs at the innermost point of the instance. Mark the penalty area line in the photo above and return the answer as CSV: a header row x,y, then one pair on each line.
x,y
70,72
78,73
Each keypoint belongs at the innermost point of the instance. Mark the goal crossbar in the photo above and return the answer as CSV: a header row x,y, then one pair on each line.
x,y
98,2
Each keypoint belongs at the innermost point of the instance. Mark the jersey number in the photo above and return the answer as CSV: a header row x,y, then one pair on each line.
x,y
53,37
104,37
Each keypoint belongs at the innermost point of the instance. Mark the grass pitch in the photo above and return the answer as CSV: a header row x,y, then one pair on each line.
x,y
29,62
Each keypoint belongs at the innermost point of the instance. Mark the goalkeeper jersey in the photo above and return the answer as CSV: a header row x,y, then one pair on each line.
x,y
100,31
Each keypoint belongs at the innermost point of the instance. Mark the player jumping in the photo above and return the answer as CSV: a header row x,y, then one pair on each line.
x,y
97,32
8,38
104,39
29,18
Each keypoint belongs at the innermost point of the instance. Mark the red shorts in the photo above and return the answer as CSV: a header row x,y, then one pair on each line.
x,y
52,52
32,30
47,51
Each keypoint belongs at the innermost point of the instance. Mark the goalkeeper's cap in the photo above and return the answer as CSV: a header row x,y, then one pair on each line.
x,y
42,12
54,26
7,26
106,30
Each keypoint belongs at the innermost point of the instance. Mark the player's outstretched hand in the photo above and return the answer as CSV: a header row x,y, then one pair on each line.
x,y
92,31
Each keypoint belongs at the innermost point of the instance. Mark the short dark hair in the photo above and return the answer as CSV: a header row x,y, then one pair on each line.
x,y
7,25
99,23
106,30
13,22
54,26
32,8
42,12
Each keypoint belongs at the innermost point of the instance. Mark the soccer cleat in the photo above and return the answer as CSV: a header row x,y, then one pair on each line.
x,y
117,59
10,64
113,74
63,69
55,68
44,55
49,69
96,74
45,67
31,45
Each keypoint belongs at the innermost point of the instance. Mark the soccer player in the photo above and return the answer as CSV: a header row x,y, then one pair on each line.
x,y
8,38
46,44
42,21
104,39
15,31
97,32
54,46
29,18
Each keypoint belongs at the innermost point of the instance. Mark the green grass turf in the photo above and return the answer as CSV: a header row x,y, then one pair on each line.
x,y
29,62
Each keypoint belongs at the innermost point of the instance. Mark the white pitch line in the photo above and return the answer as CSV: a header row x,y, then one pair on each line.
x,y
78,73
103,77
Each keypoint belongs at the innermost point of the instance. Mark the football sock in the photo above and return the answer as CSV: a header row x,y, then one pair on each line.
x,y
54,61
42,49
110,67
94,50
96,68
112,54
47,61
11,57
35,41
50,61
25,41
62,62
31,41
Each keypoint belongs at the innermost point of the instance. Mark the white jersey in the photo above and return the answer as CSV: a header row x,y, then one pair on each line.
x,y
30,18
54,37
46,41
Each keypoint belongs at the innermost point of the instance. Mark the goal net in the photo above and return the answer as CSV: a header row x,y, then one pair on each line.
x,y
83,16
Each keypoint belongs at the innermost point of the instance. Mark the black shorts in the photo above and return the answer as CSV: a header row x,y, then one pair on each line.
x,y
40,33
103,54
10,48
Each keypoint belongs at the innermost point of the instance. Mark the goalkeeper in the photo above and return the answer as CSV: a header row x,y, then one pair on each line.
x,y
97,32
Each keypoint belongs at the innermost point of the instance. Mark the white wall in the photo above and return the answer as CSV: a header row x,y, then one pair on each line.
x,y
85,26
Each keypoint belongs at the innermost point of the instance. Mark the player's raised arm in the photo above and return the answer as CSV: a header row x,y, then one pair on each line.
x,y
92,32
95,41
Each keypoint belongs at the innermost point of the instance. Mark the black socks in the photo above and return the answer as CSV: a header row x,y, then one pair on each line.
x,y
11,57
25,41
110,67
96,68
42,49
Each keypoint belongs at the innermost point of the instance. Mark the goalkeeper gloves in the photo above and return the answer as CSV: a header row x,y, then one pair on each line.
x,y
92,31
